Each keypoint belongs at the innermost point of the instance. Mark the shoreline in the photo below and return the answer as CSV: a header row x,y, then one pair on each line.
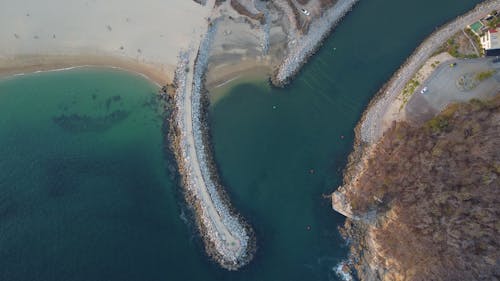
x,y
234,72
395,85
217,90
390,91
375,113
22,65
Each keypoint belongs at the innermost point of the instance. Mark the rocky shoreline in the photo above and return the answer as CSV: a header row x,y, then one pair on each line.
x,y
369,130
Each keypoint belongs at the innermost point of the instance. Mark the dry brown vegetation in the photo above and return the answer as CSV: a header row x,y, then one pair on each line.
x,y
296,14
242,10
460,46
303,2
323,3
219,2
327,3
436,192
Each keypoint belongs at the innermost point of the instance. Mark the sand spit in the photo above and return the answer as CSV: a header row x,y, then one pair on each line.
x,y
228,239
302,46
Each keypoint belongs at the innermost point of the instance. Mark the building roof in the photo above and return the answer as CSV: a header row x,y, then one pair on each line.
x,y
495,42
491,39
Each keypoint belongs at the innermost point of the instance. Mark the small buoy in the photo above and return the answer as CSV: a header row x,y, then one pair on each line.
x,y
274,106
334,49
342,137
308,227
311,171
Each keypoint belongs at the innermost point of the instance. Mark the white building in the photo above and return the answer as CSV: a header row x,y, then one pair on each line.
x,y
491,42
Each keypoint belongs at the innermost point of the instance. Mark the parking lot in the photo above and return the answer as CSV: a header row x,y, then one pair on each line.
x,y
448,84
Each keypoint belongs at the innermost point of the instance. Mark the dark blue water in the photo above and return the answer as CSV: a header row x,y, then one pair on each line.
x,y
85,187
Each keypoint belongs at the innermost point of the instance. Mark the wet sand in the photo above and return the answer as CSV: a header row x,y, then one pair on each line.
x,y
34,63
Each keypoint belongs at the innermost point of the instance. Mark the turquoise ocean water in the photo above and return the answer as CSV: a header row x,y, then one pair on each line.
x,y
86,192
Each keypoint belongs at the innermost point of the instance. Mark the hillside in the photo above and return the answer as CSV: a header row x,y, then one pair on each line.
x,y
433,196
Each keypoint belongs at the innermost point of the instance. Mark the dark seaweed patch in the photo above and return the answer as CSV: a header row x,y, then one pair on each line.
x,y
111,100
76,123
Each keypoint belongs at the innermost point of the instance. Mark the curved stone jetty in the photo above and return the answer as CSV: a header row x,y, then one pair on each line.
x,y
228,239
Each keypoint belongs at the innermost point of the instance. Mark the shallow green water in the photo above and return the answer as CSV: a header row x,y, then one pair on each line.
x,y
85,192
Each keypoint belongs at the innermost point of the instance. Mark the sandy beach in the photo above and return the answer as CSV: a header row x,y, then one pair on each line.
x,y
223,74
137,37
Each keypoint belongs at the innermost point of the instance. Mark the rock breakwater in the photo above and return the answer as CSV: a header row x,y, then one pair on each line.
x,y
228,239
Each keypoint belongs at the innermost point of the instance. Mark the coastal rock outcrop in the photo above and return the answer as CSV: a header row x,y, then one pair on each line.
x,y
341,205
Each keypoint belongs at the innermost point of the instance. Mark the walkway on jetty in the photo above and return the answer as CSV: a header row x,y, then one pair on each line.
x,y
225,237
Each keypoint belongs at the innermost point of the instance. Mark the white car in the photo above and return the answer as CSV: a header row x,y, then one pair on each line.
x,y
424,90
305,12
